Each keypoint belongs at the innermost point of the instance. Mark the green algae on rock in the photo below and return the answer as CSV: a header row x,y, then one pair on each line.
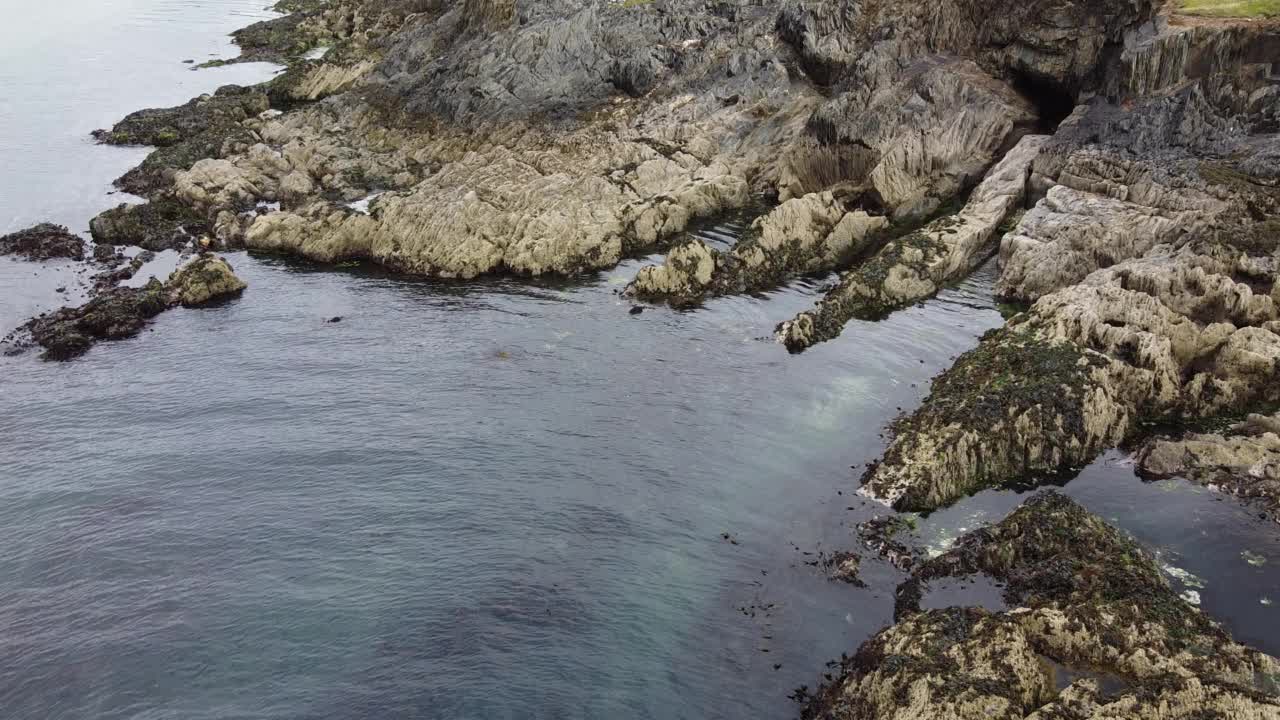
x,y
43,242
1243,460
1108,613
122,312
161,224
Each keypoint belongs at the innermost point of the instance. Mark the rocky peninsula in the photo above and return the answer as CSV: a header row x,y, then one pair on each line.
x,y
1119,159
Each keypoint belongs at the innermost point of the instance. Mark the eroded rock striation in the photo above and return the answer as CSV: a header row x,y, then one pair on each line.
x,y
554,137
915,265
1243,459
1152,262
1087,635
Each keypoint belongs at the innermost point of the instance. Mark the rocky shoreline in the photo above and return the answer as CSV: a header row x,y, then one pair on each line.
x,y
1120,160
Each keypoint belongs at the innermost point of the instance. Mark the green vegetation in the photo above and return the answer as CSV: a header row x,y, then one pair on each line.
x,y
1232,8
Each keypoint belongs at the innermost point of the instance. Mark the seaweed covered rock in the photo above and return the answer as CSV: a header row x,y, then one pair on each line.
x,y
1127,645
122,312
802,235
1154,260
162,224
42,242
1243,460
184,134
204,279
917,264
1179,333
114,314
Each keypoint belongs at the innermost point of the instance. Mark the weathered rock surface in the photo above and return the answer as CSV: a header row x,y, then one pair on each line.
x,y
122,312
1106,615
206,278
1153,259
1170,335
917,264
161,224
42,242
184,134
802,235
553,137
1243,460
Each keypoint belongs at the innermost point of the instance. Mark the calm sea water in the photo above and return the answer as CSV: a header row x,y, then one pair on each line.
x,y
481,500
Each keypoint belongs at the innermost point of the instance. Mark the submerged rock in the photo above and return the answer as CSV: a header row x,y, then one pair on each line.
x,y
1243,460
43,242
122,312
1106,614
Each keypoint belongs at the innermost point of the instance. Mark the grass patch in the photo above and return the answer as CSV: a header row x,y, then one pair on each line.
x,y
1232,8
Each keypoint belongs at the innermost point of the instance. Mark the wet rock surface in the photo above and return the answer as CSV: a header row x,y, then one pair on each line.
x,y
116,313
917,264
43,242
206,278
1243,459
1137,649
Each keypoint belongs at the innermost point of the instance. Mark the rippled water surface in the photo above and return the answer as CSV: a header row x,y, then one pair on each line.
x,y
481,500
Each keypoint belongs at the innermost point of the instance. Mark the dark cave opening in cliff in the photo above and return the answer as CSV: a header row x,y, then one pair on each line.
x,y
1052,101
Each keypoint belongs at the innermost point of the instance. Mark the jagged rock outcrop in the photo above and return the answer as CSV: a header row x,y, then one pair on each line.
x,y
122,312
184,134
1243,460
802,235
1153,259
42,242
917,264
1144,183
553,137
1106,617
1170,335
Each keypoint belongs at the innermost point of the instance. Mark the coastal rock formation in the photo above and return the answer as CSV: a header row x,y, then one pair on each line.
x,y
1153,261
42,242
184,134
206,278
555,137
122,312
1087,635
802,235
1243,460
1171,334
917,264
161,224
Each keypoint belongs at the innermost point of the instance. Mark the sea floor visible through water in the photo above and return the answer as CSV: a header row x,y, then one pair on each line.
x,y
494,499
